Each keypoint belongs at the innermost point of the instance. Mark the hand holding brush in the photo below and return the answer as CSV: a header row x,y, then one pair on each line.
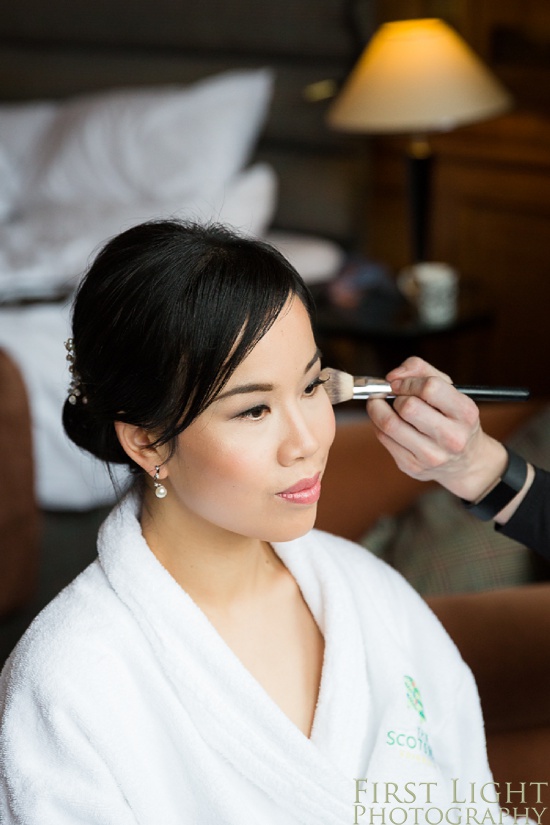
x,y
440,438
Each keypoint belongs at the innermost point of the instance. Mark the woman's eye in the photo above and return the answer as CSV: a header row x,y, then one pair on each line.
x,y
310,389
254,413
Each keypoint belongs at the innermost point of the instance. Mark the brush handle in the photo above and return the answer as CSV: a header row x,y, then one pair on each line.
x,y
375,388
494,393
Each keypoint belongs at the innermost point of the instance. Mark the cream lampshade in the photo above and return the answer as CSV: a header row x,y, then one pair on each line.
x,y
417,77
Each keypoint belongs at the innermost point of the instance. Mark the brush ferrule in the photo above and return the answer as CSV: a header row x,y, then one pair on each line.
x,y
364,387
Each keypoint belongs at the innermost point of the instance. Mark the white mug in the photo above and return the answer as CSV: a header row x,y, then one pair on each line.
x,y
433,287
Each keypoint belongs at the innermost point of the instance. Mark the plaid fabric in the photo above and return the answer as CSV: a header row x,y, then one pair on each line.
x,y
440,548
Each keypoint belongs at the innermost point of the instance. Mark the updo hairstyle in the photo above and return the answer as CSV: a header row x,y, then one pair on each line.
x,y
163,317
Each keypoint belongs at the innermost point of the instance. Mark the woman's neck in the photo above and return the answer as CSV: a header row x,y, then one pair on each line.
x,y
214,566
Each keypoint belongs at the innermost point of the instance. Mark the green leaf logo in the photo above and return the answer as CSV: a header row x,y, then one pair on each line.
x,y
413,697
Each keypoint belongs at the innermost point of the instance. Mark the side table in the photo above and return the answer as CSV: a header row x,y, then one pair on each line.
x,y
382,329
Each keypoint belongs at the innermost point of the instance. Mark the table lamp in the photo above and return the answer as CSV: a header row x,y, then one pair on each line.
x,y
416,77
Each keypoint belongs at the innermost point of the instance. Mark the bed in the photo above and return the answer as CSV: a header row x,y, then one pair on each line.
x,y
110,115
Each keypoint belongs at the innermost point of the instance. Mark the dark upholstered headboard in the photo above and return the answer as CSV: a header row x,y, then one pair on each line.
x,y
63,47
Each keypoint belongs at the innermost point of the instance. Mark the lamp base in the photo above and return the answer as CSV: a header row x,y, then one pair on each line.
x,y
419,168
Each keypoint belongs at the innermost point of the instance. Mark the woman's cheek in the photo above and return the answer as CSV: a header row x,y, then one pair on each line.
x,y
329,422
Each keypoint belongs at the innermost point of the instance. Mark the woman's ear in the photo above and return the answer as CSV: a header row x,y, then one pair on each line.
x,y
136,443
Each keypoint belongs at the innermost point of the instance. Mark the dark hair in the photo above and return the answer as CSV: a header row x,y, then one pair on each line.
x,y
161,320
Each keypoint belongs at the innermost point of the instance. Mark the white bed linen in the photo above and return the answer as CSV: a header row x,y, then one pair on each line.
x,y
316,259
65,476
48,248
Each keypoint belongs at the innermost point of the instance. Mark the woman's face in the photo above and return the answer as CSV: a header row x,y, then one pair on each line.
x,y
251,464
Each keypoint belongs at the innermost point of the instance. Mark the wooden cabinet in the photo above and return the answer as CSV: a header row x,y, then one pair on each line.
x,y
491,220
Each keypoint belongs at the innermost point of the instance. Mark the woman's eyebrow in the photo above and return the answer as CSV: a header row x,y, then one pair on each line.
x,y
247,388
316,357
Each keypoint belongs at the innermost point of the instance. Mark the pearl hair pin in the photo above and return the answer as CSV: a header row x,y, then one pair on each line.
x,y
160,489
75,387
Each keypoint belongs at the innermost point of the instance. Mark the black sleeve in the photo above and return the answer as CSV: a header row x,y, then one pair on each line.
x,y
530,524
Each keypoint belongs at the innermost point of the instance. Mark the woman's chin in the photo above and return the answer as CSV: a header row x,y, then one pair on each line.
x,y
295,528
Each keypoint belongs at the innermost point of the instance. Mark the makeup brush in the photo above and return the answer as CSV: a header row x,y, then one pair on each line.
x,y
341,386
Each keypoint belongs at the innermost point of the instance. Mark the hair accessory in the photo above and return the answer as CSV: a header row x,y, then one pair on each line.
x,y
502,494
160,489
75,387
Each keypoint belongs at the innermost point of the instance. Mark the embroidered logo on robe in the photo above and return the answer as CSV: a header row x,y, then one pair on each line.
x,y
413,697
409,734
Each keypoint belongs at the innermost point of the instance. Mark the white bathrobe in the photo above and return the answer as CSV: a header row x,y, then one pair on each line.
x,y
123,705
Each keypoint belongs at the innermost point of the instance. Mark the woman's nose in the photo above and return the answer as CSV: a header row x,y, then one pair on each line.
x,y
299,440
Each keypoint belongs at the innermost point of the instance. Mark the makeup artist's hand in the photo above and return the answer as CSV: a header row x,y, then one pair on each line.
x,y
433,432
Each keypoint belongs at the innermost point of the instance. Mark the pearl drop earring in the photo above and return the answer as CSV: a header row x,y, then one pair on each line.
x,y
160,489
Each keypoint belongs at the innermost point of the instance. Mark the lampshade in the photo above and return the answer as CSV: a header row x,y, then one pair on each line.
x,y
417,76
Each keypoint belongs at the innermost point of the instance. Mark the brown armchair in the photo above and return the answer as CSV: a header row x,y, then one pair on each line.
x,y
19,514
504,636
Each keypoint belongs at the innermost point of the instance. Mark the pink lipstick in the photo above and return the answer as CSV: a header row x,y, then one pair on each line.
x,y
306,491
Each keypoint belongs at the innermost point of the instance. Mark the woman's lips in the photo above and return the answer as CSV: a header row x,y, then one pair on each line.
x,y
306,491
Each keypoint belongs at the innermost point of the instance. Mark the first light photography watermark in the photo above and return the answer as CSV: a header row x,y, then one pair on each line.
x,y
472,803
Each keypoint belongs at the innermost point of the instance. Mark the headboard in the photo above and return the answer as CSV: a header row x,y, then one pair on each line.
x,y
63,47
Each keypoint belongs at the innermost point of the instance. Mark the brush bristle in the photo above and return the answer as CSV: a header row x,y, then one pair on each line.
x,y
339,385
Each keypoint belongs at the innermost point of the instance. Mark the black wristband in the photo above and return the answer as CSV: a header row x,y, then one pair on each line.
x,y
507,488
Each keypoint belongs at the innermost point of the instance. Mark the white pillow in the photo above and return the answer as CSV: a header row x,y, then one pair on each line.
x,y
316,259
22,130
51,245
8,184
247,203
152,143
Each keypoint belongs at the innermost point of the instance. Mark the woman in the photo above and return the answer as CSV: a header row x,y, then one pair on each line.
x,y
220,662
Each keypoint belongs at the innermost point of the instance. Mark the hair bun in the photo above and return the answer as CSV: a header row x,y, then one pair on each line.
x,y
89,433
